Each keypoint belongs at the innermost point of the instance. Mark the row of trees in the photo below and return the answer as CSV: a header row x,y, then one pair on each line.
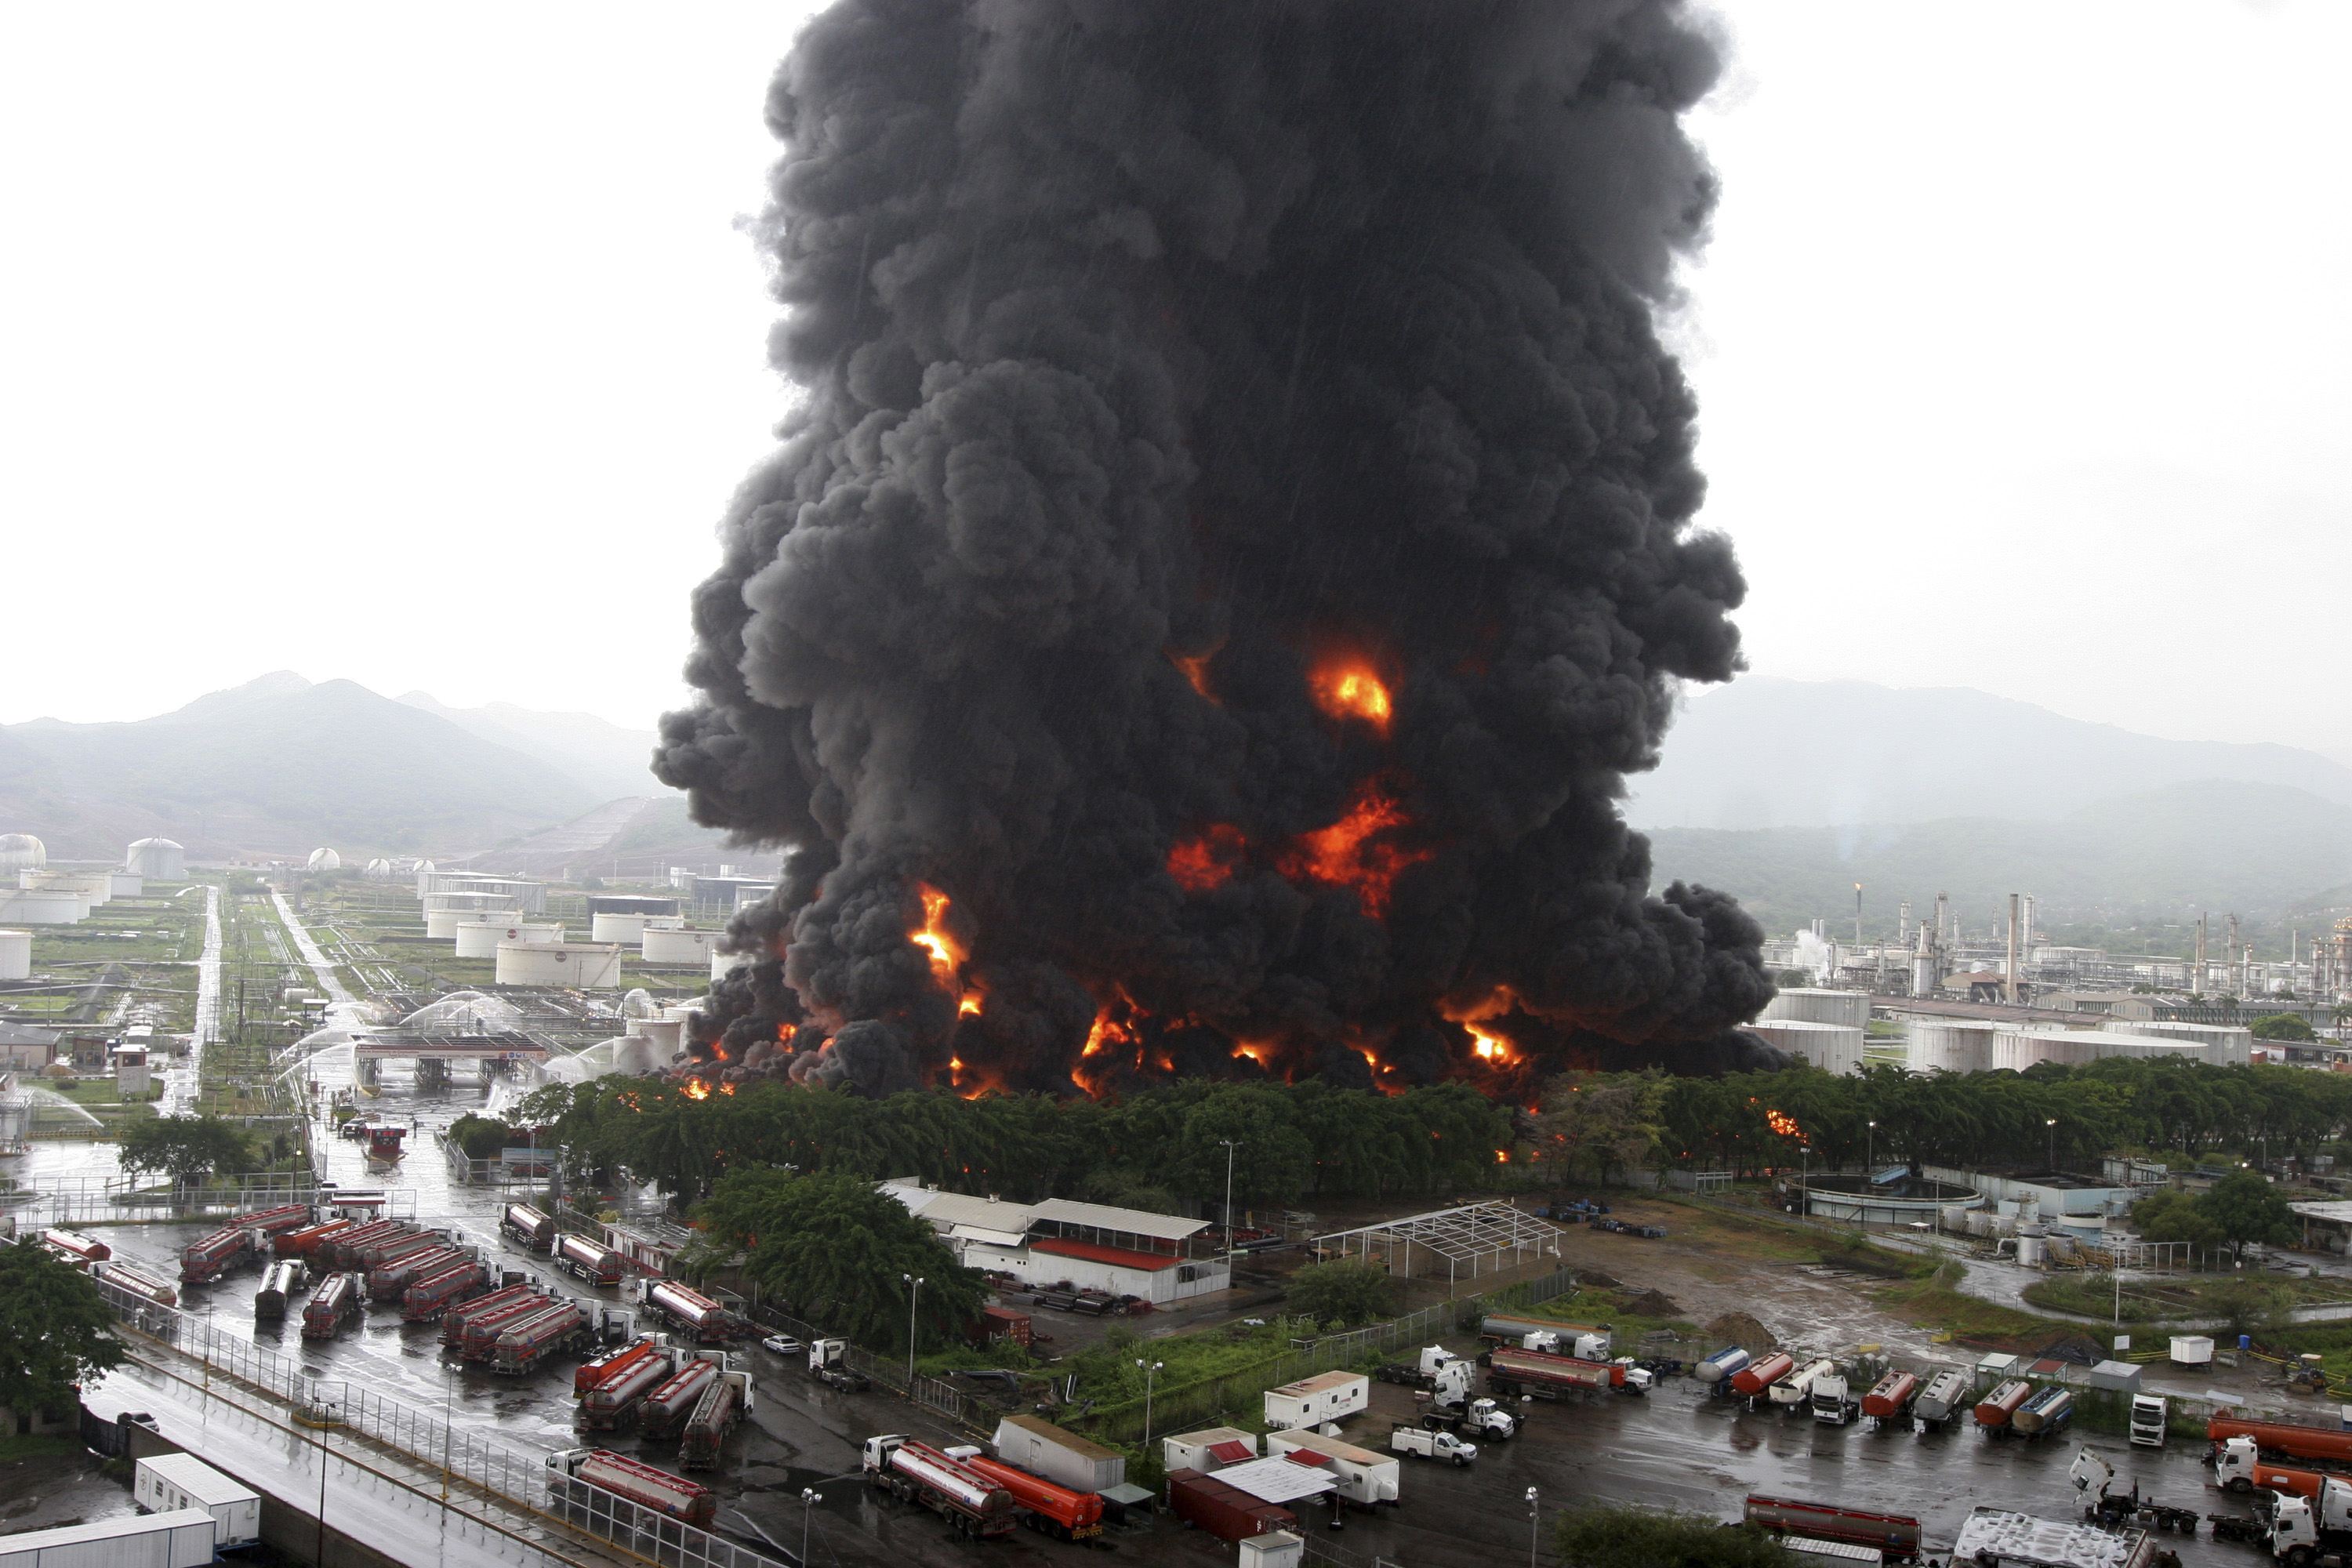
x,y
1153,1150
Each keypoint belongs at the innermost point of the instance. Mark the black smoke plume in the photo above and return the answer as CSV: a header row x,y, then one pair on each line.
x,y
1163,359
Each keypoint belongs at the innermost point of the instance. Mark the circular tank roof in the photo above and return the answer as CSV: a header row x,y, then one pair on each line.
x,y
325,860
154,843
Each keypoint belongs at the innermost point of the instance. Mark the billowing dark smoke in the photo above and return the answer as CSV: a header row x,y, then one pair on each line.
x,y
1238,538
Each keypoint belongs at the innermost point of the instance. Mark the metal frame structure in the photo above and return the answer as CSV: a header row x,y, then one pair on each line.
x,y
1480,1235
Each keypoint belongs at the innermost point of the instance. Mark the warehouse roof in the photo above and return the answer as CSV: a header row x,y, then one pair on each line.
x,y
1060,1436
1123,1258
1135,1222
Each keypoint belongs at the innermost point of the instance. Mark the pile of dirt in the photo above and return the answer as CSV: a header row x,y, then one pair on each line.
x,y
1593,1279
1739,1329
1653,1303
2079,1349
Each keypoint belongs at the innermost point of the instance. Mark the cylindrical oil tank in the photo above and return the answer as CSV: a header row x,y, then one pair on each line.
x,y
723,964
1996,1408
1951,1045
2045,1412
16,954
157,859
1890,1395
1815,1005
478,935
1721,1364
1832,1048
577,965
1758,1376
656,904
676,945
42,906
619,925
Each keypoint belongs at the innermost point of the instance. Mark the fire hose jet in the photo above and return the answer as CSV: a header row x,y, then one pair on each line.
x,y
1239,531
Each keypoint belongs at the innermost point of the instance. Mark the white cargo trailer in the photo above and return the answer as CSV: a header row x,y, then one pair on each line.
x,y
1364,1477
1034,1444
181,1539
1310,1401
167,1482
1212,1448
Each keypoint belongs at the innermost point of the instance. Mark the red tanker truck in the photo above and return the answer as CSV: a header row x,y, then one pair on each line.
x,y
572,1473
1050,1508
529,1226
592,1261
529,1340
1510,1373
915,1472
591,1373
665,1409
75,1247
1897,1536
333,1304
204,1260
304,1242
715,1415
433,1294
1890,1397
481,1333
391,1281
454,1320
614,1398
691,1311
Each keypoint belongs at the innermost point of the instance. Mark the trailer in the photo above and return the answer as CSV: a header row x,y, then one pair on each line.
x,y
1043,1505
281,1283
1224,1512
915,1472
590,1260
527,1342
1757,1375
1717,1370
205,1260
1208,1450
122,1277
74,1247
1366,1478
1895,1534
1511,1374
575,1477
455,1319
306,1241
275,1221
376,1255
691,1311
722,1405
1311,1401
180,1539
479,1331
672,1400
613,1399
1890,1397
589,1373
1499,1328
2092,1474
1995,1409
391,1282
164,1483
433,1294
2049,1412
533,1228
333,1305
1832,1402
2002,1538
1795,1392
1034,1444
1942,1401
333,1249
2287,1439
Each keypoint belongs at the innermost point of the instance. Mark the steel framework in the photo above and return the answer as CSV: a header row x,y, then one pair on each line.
x,y
1484,1235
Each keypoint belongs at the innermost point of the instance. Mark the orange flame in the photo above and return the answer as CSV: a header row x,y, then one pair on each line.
x,y
1785,1125
1195,668
933,939
1490,1045
969,1007
1350,853
1501,1157
695,1088
726,1089
1348,687
1255,1053
1206,860
784,1033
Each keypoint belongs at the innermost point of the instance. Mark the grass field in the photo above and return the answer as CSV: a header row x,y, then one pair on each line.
x,y
2186,1297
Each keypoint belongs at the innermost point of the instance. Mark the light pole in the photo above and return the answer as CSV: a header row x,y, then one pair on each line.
x,y
1150,1371
809,1498
1805,1199
1870,1159
1231,1144
1535,1525
2051,1123
325,1454
914,1292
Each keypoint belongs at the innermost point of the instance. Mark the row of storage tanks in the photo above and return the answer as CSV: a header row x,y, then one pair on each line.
x,y
43,897
1828,1029
492,917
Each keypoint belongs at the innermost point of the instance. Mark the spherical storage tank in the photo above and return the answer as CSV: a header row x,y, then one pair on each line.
x,y
324,860
22,852
16,954
157,859
379,869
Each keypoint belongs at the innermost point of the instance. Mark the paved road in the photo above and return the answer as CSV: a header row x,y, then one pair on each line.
x,y
338,996
180,1080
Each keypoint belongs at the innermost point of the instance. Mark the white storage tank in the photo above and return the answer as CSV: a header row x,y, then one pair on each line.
x,y
22,852
181,1539
16,954
478,935
1832,1048
157,859
1951,1045
126,884
167,1482
442,924
674,944
619,925
2225,1044
44,908
1819,1004
93,888
631,904
324,860
576,965
723,964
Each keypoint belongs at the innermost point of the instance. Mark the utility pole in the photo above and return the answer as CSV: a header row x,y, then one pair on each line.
x,y
1231,1144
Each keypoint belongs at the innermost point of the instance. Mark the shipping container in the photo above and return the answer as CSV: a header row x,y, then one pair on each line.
x,y
1211,1449
167,1482
1003,1324
181,1539
1228,1514
1035,1445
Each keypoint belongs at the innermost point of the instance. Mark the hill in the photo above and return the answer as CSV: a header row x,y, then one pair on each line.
x,y
608,759
2169,852
277,766
1760,753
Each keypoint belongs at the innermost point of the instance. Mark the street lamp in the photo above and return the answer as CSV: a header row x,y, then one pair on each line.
x,y
1870,1158
1805,1201
1534,1523
325,1453
809,1498
2051,1125
1150,1371
1231,1144
914,1293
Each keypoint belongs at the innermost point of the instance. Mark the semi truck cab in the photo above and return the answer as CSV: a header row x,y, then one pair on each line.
x,y
2147,1420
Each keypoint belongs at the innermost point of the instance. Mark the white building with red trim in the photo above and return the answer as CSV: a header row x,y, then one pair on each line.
x,y
1156,1258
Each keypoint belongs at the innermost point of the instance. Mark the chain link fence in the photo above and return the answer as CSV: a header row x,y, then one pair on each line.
x,y
517,1476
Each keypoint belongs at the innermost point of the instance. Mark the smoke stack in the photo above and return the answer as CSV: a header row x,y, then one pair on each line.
x,y
2014,901
2197,974
1239,533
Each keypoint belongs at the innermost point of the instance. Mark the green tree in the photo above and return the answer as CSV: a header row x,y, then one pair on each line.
x,y
1340,1294
2175,1216
2283,1026
185,1148
2244,1208
1606,1122
839,1251
55,1332
1620,1537
481,1137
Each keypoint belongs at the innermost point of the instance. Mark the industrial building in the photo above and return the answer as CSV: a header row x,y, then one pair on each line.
x,y
24,1048
1124,1252
156,860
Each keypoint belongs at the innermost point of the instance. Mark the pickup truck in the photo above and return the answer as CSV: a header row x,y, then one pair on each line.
x,y
1431,1444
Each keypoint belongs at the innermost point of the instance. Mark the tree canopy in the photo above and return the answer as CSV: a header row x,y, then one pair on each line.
x,y
2245,1207
1340,1294
2283,1026
55,1330
184,1148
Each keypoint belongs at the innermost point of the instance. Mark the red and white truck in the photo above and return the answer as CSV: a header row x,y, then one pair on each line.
x,y
433,1294
481,1333
574,1475
146,1287
334,1304
613,1399
722,1405
391,1281
596,1369
334,1250
916,1472
74,1247
533,1228
306,1241
276,1221
1510,1373
591,1260
1897,1536
208,1257
666,1408
1045,1506
527,1341
456,1320
691,1311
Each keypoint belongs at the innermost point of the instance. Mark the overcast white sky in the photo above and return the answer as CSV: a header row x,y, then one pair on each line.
x,y
417,345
